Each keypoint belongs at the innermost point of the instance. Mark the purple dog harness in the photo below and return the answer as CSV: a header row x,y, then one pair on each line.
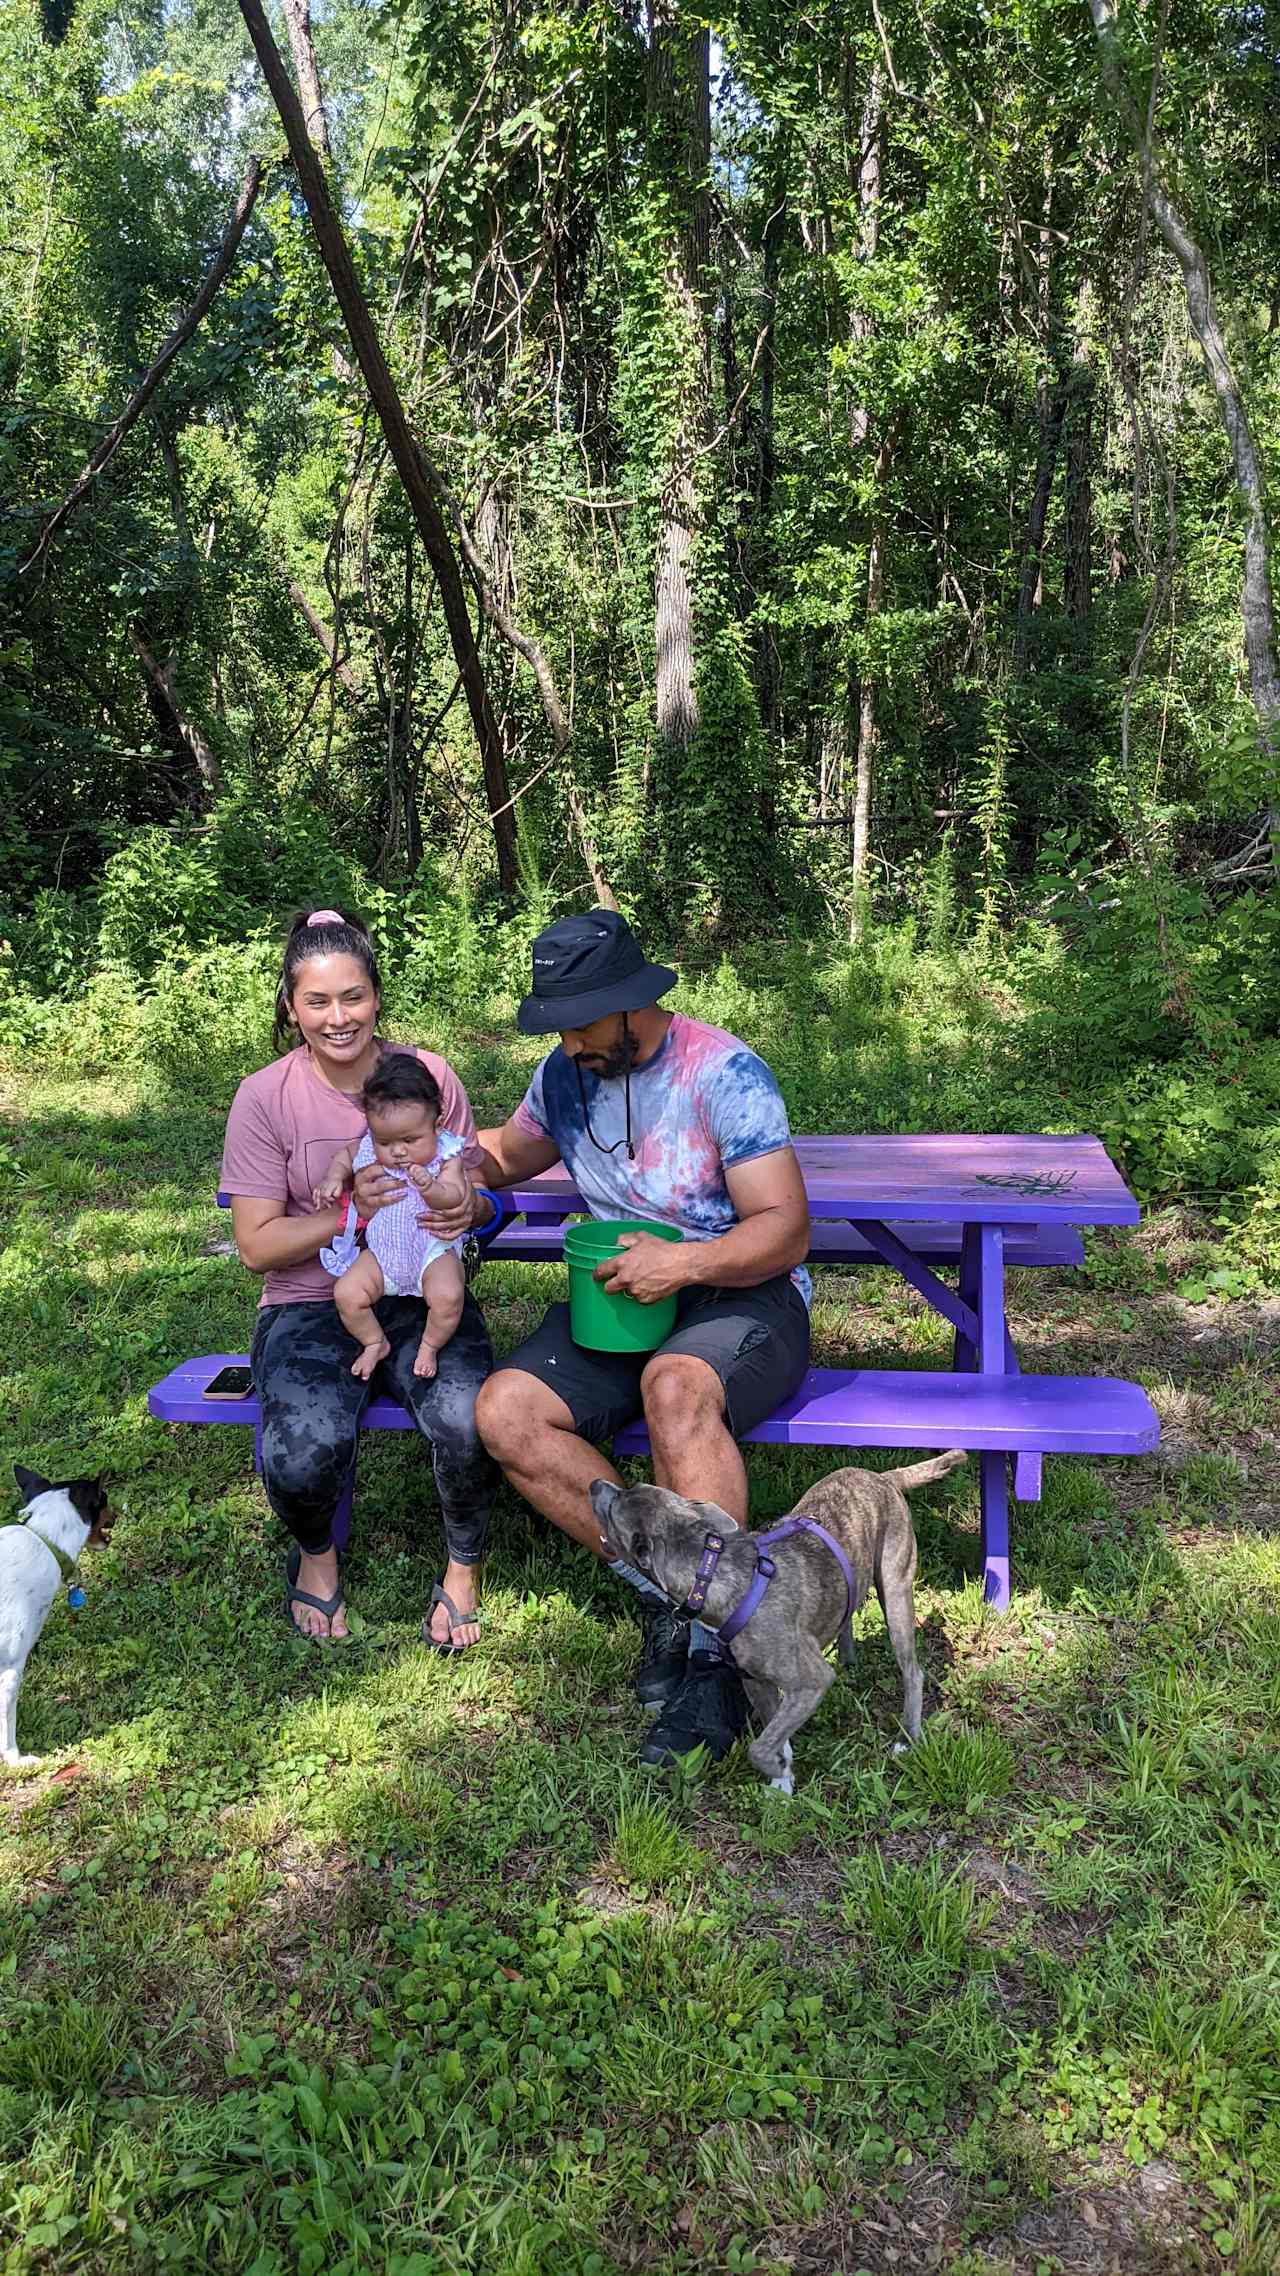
x,y
712,1545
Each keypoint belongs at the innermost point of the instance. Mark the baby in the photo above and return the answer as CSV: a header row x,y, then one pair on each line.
x,y
401,1101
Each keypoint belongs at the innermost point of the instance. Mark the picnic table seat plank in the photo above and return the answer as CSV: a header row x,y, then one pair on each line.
x,y
834,1406
1042,1414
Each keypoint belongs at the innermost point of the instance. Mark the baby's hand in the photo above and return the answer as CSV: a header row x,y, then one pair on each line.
x,y
329,1194
417,1176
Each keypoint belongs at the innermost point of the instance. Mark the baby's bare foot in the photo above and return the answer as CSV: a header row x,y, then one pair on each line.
x,y
425,1363
364,1365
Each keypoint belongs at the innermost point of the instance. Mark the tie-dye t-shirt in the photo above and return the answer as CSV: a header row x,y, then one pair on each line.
x,y
703,1104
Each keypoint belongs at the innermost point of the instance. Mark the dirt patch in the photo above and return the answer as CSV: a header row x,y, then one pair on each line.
x,y
1145,2226
886,2238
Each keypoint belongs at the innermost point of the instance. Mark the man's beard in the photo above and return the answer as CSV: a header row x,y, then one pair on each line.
x,y
609,1065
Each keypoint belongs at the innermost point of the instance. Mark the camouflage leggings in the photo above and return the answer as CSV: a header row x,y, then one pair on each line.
x,y
312,1403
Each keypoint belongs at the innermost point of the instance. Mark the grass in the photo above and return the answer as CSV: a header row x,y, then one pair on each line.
x,y
375,1963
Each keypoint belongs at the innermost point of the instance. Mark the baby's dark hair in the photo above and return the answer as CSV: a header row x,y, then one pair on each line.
x,y
325,932
401,1080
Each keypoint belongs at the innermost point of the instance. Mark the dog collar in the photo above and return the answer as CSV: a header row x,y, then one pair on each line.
x,y
712,1545
66,1565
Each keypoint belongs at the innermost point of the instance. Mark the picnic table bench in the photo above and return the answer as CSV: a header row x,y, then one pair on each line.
x,y
912,1203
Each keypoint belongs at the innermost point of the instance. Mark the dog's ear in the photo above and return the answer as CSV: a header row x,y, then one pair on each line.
x,y
711,1514
30,1483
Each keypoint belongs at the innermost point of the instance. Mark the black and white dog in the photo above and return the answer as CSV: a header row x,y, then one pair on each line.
x,y
36,1556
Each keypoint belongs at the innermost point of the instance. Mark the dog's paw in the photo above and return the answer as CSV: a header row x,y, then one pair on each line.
x,y
784,1785
901,1746
21,1761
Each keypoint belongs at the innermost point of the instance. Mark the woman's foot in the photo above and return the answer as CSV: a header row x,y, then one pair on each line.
x,y
318,1576
459,1584
364,1365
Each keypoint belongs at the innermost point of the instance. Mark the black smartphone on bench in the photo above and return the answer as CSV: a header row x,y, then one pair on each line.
x,y
229,1383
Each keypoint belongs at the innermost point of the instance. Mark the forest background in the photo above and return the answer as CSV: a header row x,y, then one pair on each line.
x,y
845,442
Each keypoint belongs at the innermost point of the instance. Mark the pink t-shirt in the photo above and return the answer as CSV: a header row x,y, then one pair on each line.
x,y
284,1128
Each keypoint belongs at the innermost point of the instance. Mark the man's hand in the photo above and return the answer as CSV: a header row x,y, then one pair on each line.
x,y
645,1268
454,1207
374,1188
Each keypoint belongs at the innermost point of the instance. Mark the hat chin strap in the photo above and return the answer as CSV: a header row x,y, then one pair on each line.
x,y
626,1094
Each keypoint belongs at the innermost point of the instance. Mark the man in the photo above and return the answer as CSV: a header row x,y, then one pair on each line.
x,y
655,1116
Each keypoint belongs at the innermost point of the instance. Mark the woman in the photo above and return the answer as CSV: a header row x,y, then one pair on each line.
x,y
285,1126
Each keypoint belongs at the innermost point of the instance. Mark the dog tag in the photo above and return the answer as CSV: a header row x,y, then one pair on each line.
x,y
76,1599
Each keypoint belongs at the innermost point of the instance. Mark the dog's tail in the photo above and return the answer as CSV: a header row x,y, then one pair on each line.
x,y
925,1473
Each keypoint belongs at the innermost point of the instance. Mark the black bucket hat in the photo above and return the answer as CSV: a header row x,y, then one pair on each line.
x,y
585,967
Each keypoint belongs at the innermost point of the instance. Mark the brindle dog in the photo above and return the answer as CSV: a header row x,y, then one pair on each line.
x,y
780,1651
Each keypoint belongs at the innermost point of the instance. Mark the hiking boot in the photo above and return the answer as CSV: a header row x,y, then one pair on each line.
x,y
709,1710
666,1655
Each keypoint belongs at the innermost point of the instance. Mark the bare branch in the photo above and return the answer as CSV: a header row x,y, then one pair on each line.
x,y
152,377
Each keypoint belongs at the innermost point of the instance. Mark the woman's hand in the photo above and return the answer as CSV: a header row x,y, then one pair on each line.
x,y
645,1268
374,1188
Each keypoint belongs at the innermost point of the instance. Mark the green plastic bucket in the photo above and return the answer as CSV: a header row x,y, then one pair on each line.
x,y
600,1318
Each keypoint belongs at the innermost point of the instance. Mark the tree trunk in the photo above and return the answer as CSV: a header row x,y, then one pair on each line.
x,y
181,733
868,720
1077,591
151,378
767,670
679,104
297,16
420,486
862,325
1053,405
861,330
1257,604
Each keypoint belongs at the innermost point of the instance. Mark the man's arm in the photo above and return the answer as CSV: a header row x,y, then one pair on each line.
x,y
772,1236
514,1154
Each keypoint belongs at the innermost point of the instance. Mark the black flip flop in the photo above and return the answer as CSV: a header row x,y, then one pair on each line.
x,y
456,1620
295,1595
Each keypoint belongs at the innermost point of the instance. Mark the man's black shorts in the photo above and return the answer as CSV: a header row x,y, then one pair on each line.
x,y
756,1339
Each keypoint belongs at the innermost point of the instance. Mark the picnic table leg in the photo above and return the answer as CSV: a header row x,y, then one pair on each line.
x,y
993,1359
995,1529
965,1354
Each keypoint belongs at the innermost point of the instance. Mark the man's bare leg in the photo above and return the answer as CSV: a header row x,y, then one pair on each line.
x,y
693,1452
529,1431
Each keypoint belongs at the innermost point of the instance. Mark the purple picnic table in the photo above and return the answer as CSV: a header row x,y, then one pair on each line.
x,y
1010,1199
986,1185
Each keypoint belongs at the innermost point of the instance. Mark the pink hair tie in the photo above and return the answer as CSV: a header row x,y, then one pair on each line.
x,y
326,917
